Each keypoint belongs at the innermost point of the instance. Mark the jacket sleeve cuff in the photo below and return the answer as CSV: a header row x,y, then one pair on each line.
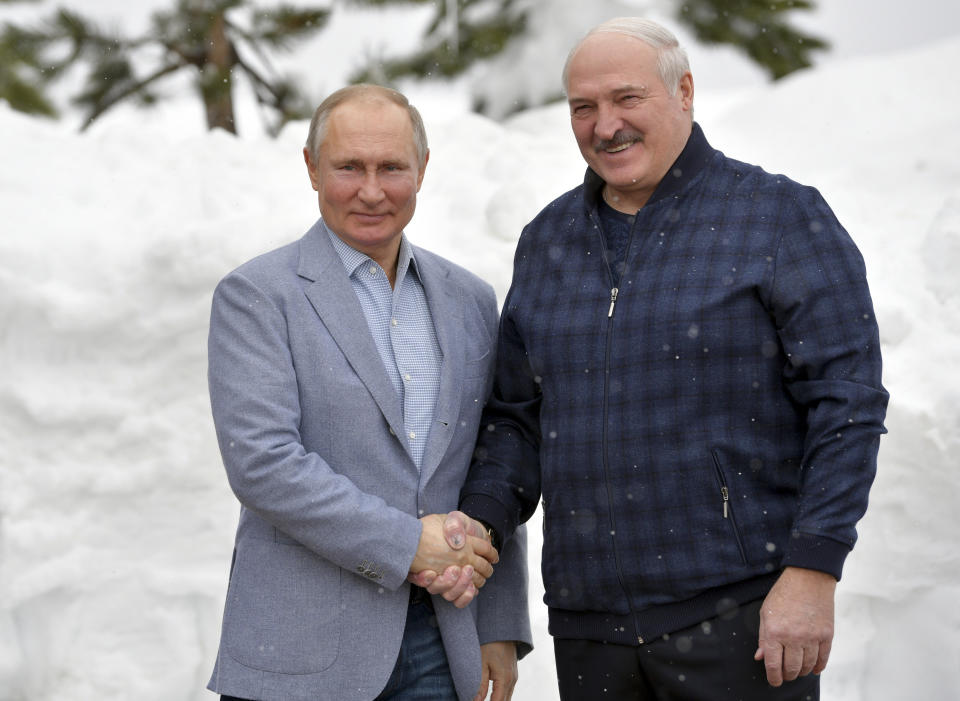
x,y
814,552
490,511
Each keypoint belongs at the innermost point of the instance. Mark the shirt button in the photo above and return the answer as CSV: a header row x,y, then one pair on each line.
x,y
394,322
406,376
412,434
373,269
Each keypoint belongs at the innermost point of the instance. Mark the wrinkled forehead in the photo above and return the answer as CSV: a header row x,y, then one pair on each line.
x,y
370,120
371,124
371,110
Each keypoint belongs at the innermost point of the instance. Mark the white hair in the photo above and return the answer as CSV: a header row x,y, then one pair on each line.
x,y
672,61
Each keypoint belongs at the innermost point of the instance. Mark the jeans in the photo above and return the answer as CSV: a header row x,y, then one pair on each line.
x,y
421,672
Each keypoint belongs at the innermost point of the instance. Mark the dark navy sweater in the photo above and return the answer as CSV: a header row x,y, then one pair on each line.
x,y
708,419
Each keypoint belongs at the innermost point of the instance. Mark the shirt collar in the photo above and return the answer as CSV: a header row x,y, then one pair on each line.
x,y
353,259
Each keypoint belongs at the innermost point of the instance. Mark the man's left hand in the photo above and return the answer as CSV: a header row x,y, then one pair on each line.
x,y
499,664
796,625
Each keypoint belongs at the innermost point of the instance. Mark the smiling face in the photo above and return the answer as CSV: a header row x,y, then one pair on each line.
x,y
629,128
367,175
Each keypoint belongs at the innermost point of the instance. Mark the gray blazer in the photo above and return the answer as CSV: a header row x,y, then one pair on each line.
x,y
311,433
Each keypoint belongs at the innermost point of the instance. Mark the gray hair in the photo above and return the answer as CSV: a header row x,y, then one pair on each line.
x,y
672,61
373,93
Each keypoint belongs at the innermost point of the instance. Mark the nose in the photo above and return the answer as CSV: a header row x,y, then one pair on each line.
x,y
608,122
371,191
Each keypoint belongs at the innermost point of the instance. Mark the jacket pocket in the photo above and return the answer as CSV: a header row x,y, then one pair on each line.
x,y
283,609
725,505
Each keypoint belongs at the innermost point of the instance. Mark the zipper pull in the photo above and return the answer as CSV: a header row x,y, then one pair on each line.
x,y
726,501
613,300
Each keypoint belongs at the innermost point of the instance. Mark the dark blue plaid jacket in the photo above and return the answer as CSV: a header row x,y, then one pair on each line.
x,y
718,422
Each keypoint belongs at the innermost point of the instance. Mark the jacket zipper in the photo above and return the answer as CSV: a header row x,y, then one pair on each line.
x,y
614,292
727,510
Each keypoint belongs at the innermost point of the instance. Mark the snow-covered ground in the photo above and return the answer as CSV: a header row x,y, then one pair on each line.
x,y
116,521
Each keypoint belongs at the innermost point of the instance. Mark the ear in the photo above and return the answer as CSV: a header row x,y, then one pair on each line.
x,y
685,90
423,169
311,169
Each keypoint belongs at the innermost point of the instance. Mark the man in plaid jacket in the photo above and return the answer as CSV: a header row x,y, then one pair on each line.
x,y
689,376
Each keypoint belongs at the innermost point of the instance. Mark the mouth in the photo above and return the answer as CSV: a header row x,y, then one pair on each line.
x,y
370,216
618,144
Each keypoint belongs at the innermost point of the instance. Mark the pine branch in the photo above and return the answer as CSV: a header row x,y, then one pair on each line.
x,y
131,89
282,97
281,91
756,27
22,95
476,42
282,26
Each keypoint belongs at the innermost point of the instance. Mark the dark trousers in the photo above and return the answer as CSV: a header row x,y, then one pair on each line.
x,y
711,661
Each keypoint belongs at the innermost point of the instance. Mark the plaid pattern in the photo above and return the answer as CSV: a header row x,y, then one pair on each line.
x,y
721,424
401,325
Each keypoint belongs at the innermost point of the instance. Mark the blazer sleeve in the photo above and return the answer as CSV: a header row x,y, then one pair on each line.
x,y
502,606
256,410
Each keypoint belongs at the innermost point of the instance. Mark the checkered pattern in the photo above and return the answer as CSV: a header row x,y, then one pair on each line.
x,y
721,424
400,322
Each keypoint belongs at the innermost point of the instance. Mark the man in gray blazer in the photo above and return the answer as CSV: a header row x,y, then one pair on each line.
x,y
347,374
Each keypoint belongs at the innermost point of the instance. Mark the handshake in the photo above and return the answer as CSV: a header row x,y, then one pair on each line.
x,y
454,557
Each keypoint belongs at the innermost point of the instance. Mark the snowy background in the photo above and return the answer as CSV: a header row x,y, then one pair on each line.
x,y
116,522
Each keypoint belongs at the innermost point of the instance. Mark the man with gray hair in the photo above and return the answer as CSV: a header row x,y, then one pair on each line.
x,y
688,375
347,374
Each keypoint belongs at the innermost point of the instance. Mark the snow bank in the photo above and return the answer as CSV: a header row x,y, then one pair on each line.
x,y
116,522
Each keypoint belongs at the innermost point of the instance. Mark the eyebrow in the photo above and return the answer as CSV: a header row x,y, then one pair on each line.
x,y
353,161
641,90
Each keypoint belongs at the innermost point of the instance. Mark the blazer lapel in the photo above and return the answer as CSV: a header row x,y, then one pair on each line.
x,y
334,300
444,297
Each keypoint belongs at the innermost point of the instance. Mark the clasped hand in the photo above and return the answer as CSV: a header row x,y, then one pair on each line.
x,y
459,548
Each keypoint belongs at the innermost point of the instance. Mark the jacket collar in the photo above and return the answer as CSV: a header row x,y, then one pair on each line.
x,y
694,157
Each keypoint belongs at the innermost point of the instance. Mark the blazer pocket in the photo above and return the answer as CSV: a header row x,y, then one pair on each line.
x,y
283,609
484,353
479,342
479,367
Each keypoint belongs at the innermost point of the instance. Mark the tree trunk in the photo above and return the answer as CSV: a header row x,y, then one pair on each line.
x,y
215,82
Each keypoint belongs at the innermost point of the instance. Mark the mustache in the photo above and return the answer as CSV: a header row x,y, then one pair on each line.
x,y
622,137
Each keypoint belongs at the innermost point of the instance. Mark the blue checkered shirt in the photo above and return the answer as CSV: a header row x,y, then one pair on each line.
x,y
402,327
